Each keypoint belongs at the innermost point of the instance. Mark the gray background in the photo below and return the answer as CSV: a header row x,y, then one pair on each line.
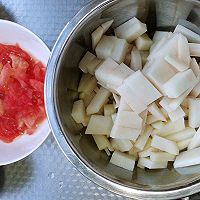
x,y
46,174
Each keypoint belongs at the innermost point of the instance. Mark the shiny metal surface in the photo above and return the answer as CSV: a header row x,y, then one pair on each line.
x,y
46,174
61,84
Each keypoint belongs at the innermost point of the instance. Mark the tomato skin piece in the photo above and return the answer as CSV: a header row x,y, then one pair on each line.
x,y
21,93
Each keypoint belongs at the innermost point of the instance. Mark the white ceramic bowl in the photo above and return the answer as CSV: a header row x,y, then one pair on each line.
x,y
12,33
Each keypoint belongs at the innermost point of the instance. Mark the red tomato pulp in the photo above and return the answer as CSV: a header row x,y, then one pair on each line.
x,y
21,92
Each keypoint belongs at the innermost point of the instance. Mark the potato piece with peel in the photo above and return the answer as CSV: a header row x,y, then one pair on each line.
x,y
142,88
178,65
123,160
188,158
109,109
88,57
183,49
156,112
119,132
146,162
195,141
176,114
143,42
178,84
121,145
183,144
78,111
195,67
182,135
99,125
190,35
165,145
102,142
98,101
143,138
170,128
134,28
161,157
194,49
194,115
136,60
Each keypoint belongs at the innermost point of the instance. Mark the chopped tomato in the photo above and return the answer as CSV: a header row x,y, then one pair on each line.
x,y
21,92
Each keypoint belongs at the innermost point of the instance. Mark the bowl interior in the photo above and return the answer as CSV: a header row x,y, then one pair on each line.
x,y
159,15
12,33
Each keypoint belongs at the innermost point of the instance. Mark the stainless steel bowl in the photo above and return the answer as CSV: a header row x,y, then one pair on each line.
x,y
61,85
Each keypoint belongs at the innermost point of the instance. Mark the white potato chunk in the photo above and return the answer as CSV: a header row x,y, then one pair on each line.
x,y
144,55
155,111
135,103
195,141
183,144
99,125
143,138
147,152
86,120
165,103
96,36
114,116
188,158
119,132
102,142
190,35
195,91
176,114
107,25
131,30
165,145
158,35
159,72
142,88
88,57
178,84
129,119
194,114
143,42
161,157
158,125
151,119
146,162
105,47
194,49
78,111
183,49
182,135
170,127
195,67
98,101
121,145
123,160
93,65
109,109
88,98
134,152
178,65
136,60
123,106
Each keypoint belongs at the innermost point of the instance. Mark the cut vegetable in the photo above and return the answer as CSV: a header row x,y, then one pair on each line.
x,y
123,160
109,109
136,60
158,35
88,57
165,145
98,101
102,142
99,125
78,111
188,158
178,65
134,152
161,157
117,100
146,162
93,65
144,55
134,28
194,115
151,119
143,42
176,114
142,139
146,152
88,98
195,141
121,145
96,36
158,125
182,135
178,84
183,144
113,116
155,111
194,49
195,67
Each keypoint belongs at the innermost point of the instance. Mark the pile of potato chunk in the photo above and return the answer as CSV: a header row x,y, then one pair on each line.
x,y
138,97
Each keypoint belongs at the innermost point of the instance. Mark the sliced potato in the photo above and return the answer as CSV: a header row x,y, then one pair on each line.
x,y
155,111
144,55
109,109
158,35
99,125
96,36
147,152
78,111
93,65
143,42
102,142
136,60
114,117
195,67
151,119
87,85
134,152
157,125
195,141
176,114
161,157
146,162
121,145
194,115
88,98
183,144
194,49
